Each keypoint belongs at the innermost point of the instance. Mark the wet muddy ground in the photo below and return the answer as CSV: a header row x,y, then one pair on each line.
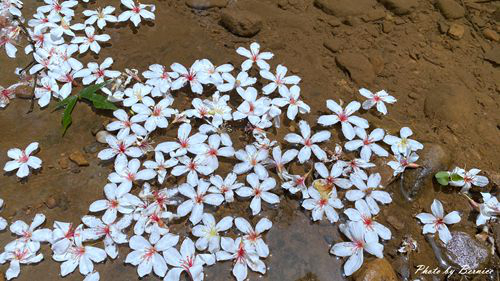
x,y
447,86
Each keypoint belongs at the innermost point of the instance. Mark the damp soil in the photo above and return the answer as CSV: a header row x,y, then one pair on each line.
x,y
447,90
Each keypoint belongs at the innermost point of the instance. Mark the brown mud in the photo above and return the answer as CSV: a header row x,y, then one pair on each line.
x,y
447,84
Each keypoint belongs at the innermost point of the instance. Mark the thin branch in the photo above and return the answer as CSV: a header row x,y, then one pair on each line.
x,y
33,61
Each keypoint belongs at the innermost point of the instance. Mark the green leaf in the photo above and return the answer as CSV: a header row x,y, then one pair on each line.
x,y
456,177
67,120
87,92
63,103
442,177
100,102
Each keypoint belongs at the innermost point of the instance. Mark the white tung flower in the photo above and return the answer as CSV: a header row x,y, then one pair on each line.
x,y
469,179
22,160
291,97
112,232
136,12
225,186
379,99
321,204
208,232
345,117
254,236
125,125
17,254
254,56
196,199
354,250
309,142
278,80
146,254
332,177
101,16
184,143
437,221
489,209
154,115
367,143
400,145
259,191
79,255
90,40
186,260
118,200
252,158
362,215
243,256
369,191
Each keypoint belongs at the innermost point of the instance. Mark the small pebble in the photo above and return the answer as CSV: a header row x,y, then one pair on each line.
x,y
51,202
79,158
101,136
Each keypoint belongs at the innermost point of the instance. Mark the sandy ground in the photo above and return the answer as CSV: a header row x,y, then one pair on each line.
x,y
447,83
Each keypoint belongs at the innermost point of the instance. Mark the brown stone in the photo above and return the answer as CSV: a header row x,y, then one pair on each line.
x,y
101,136
374,15
395,222
63,162
491,34
51,202
345,8
400,7
376,270
357,66
206,4
456,31
450,9
377,62
79,158
241,23
332,45
387,27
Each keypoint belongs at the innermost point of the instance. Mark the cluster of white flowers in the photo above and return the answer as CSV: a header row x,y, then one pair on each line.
x,y
139,196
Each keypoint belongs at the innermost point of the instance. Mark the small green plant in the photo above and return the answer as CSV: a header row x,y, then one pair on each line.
x,y
444,177
88,93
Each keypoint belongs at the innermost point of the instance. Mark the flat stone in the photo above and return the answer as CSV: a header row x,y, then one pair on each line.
x,y
332,45
456,31
357,66
376,270
395,222
79,158
441,103
374,15
465,251
63,162
344,8
241,23
491,34
400,7
450,9
433,158
206,4
101,136
493,55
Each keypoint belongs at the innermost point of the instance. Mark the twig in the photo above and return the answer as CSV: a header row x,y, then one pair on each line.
x,y
33,61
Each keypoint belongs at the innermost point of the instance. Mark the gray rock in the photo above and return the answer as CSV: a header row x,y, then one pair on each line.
x,y
206,4
344,8
357,66
465,251
433,158
400,7
241,23
450,9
